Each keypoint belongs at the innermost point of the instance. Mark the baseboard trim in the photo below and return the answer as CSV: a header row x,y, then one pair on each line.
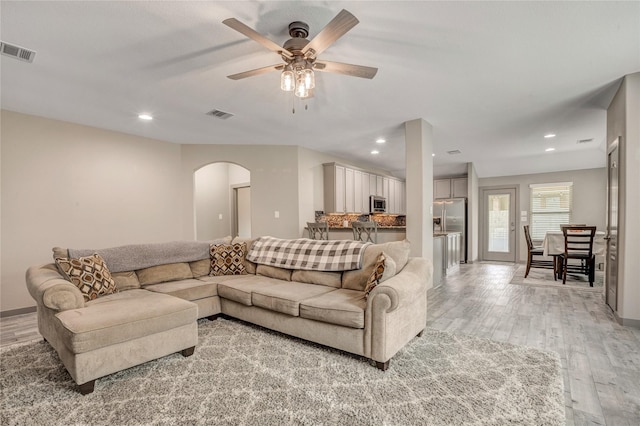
x,y
21,311
627,322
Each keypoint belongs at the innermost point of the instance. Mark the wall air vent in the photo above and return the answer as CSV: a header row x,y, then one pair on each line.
x,y
585,140
17,52
454,152
220,114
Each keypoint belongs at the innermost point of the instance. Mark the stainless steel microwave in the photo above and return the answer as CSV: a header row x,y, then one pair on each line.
x,y
377,204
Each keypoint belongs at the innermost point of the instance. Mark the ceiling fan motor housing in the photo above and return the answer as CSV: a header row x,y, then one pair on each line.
x,y
298,29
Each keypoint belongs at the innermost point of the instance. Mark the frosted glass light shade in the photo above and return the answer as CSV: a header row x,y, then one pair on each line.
x,y
287,81
309,78
301,88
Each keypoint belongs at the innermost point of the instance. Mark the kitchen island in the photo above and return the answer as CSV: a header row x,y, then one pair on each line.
x,y
446,254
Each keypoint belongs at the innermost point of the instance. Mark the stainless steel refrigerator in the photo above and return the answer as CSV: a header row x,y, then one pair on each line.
x,y
452,213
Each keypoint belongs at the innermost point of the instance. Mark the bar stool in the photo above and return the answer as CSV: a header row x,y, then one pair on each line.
x,y
362,231
318,230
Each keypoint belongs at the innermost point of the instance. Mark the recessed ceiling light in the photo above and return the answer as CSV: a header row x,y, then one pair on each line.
x,y
549,135
375,152
380,140
433,155
146,117
550,149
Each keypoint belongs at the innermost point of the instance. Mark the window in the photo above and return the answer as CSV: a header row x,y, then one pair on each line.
x,y
550,207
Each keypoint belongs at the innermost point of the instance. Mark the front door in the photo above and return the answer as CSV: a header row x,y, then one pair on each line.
x,y
499,236
612,228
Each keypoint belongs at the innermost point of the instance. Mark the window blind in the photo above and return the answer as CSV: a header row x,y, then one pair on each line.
x,y
551,205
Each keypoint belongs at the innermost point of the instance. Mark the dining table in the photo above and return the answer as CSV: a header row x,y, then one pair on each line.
x,y
553,243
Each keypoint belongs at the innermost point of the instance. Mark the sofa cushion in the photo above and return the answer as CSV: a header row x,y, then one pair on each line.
x,y
249,265
274,272
126,280
287,296
200,268
397,255
376,275
89,273
163,273
120,317
341,307
228,259
191,289
240,290
331,279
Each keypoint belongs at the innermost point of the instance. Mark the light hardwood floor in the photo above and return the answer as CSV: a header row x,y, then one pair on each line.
x,y
600,359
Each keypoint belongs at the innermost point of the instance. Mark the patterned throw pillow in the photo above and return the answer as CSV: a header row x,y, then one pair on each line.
x,y
90,274
228,259
376,275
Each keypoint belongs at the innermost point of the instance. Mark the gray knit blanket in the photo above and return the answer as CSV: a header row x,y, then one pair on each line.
x,y
303,253
139,256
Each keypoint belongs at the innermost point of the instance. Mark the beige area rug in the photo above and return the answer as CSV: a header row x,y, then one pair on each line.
x,y
544,277
245,375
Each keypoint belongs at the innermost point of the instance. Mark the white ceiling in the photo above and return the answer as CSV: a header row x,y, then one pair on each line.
x,y
491,77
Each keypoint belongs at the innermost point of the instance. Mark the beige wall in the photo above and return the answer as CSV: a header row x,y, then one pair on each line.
x,y
76,186
622,121
589,198
274,184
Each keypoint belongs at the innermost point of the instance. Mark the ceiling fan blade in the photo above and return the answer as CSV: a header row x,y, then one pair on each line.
x,y
335,29
256,36
255,72
346,69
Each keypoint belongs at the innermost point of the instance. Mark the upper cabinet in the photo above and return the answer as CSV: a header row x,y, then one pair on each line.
x,y
347,190
450,188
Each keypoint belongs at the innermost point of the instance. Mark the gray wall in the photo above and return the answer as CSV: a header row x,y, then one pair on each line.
x,y
589,198
623,122
76,186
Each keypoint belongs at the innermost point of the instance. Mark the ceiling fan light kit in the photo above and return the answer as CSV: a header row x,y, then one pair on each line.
x,y
300,54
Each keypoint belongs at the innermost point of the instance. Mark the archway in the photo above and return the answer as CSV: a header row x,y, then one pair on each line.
x,y
222,201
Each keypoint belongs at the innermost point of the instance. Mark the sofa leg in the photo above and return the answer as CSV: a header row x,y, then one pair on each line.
x,y
87,388
382,365
188,352
420,334
213,317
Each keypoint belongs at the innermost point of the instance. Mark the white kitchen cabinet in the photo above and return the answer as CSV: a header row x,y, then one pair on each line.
x,y
349,192
373,185
459,187
357,191
450,188
442,188
365,192
334,188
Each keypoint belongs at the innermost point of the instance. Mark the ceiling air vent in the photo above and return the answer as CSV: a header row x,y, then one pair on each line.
x,y
220,114
454,152
585,140
17,52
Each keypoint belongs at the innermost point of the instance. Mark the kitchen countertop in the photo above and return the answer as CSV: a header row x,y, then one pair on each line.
x,y
399,228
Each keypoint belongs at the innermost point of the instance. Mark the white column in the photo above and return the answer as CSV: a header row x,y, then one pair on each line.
x,y
419,163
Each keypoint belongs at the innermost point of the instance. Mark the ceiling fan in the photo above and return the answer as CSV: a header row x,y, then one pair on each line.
x,y
300,55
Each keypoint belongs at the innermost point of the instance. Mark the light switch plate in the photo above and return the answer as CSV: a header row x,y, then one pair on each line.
x,y
276,214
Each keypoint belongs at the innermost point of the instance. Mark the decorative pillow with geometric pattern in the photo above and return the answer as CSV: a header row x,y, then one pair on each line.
x,y
228,259
376,275
90,274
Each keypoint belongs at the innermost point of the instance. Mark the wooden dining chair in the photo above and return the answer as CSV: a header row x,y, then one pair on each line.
x,y
534,262
365,231
578,245
318,230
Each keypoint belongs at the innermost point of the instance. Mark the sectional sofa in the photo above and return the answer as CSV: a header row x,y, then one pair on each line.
x,y
157,293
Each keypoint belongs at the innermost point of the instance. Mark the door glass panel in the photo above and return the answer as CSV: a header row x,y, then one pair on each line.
x,y
498,209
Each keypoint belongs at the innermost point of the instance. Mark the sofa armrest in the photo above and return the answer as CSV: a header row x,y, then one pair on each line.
x,y
50,289
397,310
404,287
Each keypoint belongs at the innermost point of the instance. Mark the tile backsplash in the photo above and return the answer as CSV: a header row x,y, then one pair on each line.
x,y
337,220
